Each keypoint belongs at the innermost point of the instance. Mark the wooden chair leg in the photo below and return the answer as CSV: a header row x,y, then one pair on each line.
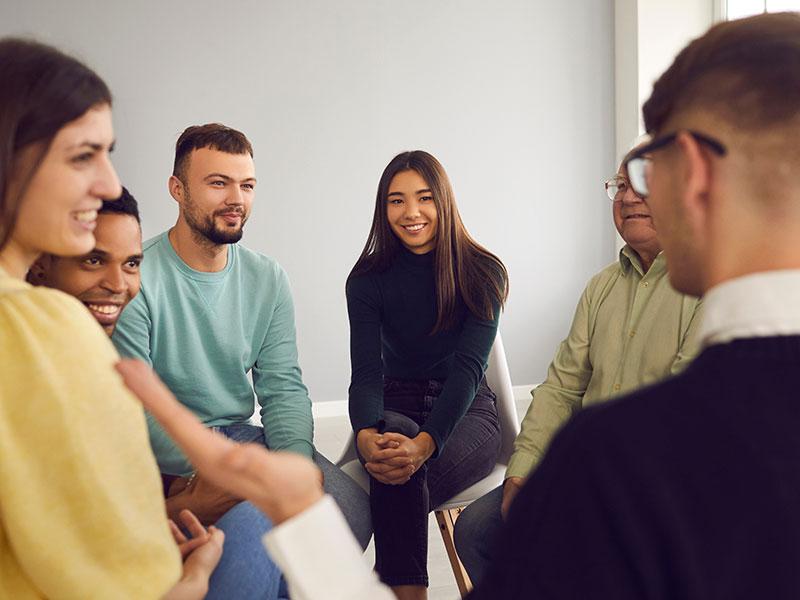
x,y
447,521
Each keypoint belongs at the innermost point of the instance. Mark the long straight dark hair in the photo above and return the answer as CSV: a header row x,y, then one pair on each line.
x,y
42,90
463,268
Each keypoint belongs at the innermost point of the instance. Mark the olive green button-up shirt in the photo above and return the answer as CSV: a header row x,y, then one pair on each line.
x,y
630,329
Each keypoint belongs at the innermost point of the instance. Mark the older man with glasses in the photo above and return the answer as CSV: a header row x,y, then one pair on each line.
x,y
630,329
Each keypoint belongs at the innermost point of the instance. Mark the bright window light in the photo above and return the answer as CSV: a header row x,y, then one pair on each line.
x,y
781,5
744,8
736,9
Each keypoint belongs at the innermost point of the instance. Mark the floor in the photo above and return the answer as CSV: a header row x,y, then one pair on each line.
x,y
330,436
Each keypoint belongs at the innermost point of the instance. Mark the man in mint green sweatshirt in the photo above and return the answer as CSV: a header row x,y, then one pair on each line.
x,y
212,313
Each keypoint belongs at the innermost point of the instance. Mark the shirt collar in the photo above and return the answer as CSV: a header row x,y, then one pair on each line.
x,y
758,305
629,259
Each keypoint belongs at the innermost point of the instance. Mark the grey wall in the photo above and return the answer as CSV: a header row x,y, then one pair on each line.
x,y
514,97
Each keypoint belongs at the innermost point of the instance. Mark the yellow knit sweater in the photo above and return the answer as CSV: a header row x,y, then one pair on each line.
x,y
81,510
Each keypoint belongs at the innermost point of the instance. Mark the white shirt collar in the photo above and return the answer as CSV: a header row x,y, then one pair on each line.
x,y
757,305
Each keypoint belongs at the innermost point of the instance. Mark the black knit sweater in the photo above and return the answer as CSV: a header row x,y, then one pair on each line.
x,y
689,489
392,314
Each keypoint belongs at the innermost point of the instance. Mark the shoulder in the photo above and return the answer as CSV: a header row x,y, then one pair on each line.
x,y
44,309
155,243
608,273
156,258
257,262
47,329
156,248
603,280
260,275
363,285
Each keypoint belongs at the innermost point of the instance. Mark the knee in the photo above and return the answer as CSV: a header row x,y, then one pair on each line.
x,y
478,522
466,528
397,423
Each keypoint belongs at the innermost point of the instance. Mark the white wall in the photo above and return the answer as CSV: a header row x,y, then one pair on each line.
x,y
514,97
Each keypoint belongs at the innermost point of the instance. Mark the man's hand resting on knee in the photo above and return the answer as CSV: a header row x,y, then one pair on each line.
x,y
281,484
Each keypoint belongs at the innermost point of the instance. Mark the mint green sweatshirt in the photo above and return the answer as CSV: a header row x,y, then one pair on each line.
x,y
206,333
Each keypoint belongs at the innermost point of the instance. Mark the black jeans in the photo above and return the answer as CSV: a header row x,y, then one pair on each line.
x,y
400,512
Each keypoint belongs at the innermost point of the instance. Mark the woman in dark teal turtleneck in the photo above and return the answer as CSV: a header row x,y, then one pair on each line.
x,y
424,301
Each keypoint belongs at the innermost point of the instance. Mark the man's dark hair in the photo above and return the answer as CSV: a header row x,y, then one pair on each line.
x,y
747,71
124,205
211,135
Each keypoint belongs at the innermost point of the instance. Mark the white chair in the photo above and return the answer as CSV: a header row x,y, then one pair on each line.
x,y
499,380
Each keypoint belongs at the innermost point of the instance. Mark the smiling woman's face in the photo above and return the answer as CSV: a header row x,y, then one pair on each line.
x,y
411,211
58,210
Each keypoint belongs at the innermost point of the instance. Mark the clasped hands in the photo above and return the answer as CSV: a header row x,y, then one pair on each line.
x,y
393,458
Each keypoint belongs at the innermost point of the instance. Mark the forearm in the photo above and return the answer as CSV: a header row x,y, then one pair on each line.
x,y
550,408
293,432
448,410
285,408
192,586
365,404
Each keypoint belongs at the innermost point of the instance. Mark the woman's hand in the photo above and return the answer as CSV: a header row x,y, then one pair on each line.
x,y
414,451
375,447
281,484
200,554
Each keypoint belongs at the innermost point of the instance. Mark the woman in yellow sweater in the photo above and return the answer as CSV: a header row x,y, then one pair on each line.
x,y
81,510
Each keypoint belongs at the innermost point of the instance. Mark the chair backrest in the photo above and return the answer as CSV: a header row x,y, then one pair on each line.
x,y
499,380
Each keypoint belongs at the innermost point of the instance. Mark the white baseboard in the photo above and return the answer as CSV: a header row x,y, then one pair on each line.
x,y
331,408
338,408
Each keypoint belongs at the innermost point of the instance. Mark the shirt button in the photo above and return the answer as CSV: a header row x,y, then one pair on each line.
x,y
616,387
646,283
632,333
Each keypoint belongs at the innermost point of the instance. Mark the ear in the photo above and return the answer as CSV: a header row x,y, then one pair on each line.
x,y
696,171
176,189
37,274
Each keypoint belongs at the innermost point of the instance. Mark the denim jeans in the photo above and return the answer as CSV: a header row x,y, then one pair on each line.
x,y
245,569
477,530
400,512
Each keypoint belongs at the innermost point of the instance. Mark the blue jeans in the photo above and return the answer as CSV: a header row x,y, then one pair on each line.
x,y
476,533
400,512
245,570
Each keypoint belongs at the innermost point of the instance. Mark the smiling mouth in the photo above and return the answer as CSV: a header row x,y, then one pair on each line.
x,y
104,309
637,216
86,216
105,314
416,227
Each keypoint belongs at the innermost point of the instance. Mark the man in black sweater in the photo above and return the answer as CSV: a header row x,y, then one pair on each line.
x,y
691,488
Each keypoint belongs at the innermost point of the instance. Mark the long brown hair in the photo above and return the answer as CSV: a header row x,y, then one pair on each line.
x,y
43,90
463,268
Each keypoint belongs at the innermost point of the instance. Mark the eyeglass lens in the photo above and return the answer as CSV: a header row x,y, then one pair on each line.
x,y
637,172
615,188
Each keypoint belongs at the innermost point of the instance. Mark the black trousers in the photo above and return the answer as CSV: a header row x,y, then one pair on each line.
x,y
400,512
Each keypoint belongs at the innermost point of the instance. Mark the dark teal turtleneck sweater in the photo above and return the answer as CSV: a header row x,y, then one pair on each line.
x,y
391,316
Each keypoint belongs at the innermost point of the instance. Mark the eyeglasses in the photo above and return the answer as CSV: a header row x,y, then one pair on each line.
x,y
616,187
639,165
